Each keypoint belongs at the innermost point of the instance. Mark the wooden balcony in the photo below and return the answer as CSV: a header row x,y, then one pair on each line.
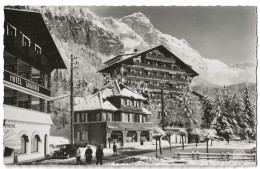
x,y
13,45
160,58
158,67
155,77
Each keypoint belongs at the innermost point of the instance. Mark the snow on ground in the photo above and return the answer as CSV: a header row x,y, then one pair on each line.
x,y
152,161
231,145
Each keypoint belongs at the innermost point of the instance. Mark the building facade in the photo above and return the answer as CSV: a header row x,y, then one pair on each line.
x,y
153,69
30,55
115,114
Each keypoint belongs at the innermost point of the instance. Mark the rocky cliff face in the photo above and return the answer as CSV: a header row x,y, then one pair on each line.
x,y
94,39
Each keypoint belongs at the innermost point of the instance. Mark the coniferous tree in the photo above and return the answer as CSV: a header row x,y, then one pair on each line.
x,y
250,116
189,111
221,122
208,114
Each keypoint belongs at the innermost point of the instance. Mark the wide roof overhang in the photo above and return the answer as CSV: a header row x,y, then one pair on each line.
x,y
32,23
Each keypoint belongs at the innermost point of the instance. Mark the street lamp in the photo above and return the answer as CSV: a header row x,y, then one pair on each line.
x,y
207,137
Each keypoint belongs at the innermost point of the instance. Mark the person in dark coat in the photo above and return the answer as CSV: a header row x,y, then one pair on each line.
x,y
99,155
88,154
115,149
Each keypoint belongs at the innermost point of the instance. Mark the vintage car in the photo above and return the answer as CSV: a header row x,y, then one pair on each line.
x,y
65,151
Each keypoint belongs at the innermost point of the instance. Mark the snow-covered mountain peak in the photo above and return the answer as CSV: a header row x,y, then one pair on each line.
x,y
109,36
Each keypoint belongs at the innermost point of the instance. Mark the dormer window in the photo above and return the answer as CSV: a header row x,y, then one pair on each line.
x,y
10,30
26,41
38,49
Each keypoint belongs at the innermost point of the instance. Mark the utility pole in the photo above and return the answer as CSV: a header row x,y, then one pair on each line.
x,y
73,66
163,107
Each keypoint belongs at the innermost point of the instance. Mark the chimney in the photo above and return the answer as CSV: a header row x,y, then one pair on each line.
x,y
135,50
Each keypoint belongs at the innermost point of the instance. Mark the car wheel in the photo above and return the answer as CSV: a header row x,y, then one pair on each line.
x,y
68,156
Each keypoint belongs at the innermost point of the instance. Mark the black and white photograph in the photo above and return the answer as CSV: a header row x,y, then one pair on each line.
x,y
129,86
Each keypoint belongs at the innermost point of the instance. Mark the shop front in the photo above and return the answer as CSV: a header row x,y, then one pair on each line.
x,y
31,128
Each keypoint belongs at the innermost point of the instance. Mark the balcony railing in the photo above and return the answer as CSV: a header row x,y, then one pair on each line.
x,y
158,67
160,57
145,76
26,53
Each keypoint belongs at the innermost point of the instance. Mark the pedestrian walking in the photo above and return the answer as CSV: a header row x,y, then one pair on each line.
x,y
115,149
88,154
78,156
99,155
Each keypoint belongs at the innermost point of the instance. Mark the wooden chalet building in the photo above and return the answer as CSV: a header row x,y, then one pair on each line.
x,y
150,68
30,55
114,114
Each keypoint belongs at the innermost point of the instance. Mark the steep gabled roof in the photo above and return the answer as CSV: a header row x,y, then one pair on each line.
x,y
140,53
114,88
94,102
99,101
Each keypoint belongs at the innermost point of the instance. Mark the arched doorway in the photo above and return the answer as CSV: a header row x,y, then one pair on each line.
x,y
45,145
131,136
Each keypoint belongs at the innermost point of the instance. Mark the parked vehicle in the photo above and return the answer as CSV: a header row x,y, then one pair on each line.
x,y
65,151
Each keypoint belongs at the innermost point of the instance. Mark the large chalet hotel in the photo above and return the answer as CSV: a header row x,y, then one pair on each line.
x,y
30,55
154,69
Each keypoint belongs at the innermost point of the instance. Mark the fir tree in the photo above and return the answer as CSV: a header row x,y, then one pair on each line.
x,y
221,122
189,111
250,116
208,115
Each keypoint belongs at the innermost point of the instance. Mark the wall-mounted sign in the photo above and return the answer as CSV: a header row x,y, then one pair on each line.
x,y
8,125
18,80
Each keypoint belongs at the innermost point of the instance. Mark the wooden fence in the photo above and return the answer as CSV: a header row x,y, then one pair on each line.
x,y
217,156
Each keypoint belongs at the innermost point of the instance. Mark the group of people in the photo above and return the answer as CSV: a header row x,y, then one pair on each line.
x,y
88,155
89,152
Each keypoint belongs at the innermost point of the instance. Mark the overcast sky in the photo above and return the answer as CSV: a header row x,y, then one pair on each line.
x,y
224,33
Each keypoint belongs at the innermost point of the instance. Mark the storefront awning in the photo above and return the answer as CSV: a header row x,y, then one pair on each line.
x,y
11,139
25,115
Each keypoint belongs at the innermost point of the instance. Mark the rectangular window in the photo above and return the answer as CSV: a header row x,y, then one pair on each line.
x,y
104,116
82,117
86,135
110,118
133,103
83,137
125,117
78,136
136,118
125,102
129,118
78,117
86,117
117,117
98,117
